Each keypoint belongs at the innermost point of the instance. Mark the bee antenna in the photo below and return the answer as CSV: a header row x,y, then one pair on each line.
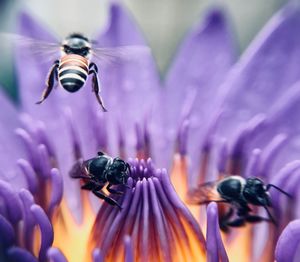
x,y
279,189
129,168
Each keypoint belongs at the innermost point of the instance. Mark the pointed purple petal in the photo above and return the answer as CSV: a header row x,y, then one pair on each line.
x,y
265,71
129,87
193,82
214,245
287,246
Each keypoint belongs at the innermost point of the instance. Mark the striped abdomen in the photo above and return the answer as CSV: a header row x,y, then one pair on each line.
x,y
73,71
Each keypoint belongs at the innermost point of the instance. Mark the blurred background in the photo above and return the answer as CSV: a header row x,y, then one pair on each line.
x,y
163,22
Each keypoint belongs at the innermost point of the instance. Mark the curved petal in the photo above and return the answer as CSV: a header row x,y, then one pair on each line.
x,y
129,87
287,246
265,71
193,82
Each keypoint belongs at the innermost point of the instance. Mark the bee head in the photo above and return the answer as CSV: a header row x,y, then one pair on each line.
x,y
76,44
255,192
118,172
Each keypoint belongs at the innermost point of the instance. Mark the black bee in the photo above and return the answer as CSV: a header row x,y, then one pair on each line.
x,y
239,193
100,171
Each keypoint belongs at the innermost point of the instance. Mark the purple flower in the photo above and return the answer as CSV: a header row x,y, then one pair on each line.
x,y
212,117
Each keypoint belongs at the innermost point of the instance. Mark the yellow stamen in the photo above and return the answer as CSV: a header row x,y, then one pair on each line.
x,y
238,248
179,177
71,238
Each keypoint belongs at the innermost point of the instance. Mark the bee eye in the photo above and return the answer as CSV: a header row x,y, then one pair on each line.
x,y
85,51
67,49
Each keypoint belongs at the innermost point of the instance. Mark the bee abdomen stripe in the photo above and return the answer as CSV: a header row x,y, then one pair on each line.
x,y
82,70
68,72
72,76
71,81
74,62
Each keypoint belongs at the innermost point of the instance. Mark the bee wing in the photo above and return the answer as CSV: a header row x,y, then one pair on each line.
x,y
44,51
204,194
120,54
79,170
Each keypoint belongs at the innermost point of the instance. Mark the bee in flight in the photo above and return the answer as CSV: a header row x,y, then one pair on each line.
x,y
75,64
239,193
100,171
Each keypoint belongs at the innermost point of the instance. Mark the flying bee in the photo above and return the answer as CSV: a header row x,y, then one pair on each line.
x,y
74,61
239,193
100,171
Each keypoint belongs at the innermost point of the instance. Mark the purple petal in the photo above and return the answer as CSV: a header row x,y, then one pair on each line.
x,y
97,255
31,74
30,175
10,146
45,229
57,190
214,245
287,248
18,254
28,218
55,255
12,202
265,71
283,119
128,88
152,216
7,233
129,257
193,82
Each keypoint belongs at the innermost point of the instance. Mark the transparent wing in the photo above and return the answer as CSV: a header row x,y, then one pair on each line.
x,y
204,194
118,55
43,50
79,170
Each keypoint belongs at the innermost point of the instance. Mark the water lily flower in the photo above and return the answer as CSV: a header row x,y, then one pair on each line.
x,y
210,118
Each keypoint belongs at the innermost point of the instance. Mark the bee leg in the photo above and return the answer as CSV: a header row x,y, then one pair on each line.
x,y
100,153
223,220
50,81
270,216
96,86
89,186
106,198
255,219
236,222
113,191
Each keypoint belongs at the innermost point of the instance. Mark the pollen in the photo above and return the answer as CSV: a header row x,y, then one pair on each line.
x,y
70,236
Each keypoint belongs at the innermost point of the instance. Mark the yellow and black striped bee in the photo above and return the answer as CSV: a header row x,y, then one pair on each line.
x,y
75,63
73,68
